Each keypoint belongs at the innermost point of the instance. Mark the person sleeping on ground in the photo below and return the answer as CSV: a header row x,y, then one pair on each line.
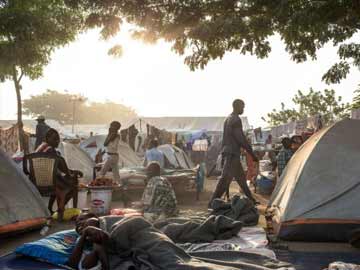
x,y
66,179
159,199
89,252
109,242
115,243
118,243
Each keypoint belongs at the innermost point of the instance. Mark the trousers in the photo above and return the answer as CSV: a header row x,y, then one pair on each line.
x,y
232,169
112,162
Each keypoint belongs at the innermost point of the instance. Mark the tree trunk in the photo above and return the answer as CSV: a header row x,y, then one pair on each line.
x,y
23,146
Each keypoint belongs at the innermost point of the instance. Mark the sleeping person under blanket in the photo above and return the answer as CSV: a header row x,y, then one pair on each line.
x,y
116,245
120,243
112,241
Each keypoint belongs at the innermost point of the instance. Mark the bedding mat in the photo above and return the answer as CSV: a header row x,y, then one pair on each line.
x,y
19,262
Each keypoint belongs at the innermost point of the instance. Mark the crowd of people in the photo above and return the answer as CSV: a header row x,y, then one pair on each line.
x,y
234,144
158,197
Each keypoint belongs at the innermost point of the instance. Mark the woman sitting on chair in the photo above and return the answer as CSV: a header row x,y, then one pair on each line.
x,y
66,180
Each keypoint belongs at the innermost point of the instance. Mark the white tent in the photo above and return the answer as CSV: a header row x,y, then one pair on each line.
x,y
127,157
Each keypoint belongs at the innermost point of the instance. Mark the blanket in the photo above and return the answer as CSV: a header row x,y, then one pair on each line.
x,y
135,244
182,230
239,208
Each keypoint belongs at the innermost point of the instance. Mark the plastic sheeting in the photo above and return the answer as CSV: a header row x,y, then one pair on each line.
x,y
355,114
177,158
249,239
184,123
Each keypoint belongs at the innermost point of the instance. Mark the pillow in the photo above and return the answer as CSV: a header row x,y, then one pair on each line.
x,y
55,248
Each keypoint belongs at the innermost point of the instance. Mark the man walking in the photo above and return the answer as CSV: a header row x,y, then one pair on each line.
x,y
41,130
233,140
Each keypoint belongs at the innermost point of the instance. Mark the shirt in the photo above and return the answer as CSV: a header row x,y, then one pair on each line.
x,y
282,159
234,138
155,155
113,146
159,197
41,130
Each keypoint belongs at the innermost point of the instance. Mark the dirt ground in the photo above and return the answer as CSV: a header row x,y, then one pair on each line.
x,y
188,205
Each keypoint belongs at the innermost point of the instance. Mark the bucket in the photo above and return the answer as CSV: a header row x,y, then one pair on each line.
x,y
264,185
82,198
100,201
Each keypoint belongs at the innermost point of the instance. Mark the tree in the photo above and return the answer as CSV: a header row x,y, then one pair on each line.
x,y
283,116
58,106
313,103
29,32
53,105
206,30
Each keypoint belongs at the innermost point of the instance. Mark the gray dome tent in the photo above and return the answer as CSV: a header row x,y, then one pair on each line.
x,y
21,206
317,198
175,157
77,159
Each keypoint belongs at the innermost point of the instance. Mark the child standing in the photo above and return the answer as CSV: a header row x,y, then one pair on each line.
x,y
112,147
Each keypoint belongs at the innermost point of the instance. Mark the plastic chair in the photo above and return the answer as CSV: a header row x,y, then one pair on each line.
x,y
43,174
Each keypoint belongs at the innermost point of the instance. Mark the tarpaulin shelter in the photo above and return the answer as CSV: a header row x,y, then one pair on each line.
x,y
177,124
176,158
77,159
127,157
355,114
30,125
317,196
21,206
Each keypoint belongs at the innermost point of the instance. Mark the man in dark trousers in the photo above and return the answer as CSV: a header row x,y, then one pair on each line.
x,y
233,140
41,130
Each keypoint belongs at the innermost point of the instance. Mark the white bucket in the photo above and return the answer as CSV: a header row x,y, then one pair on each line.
x,y
100,201
82,198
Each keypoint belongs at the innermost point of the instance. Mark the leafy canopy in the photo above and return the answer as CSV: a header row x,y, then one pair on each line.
x,y
30,31
204,30
309,104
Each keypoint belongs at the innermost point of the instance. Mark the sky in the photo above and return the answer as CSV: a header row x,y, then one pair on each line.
x,y
154,80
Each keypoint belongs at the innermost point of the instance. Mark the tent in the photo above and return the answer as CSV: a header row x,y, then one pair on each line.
x,y
175,157
21,206
317,196
77,159
127,157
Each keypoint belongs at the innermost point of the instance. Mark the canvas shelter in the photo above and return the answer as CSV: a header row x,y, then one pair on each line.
x,y
317,198
77,159
21,206
178,124
175,157
127,157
